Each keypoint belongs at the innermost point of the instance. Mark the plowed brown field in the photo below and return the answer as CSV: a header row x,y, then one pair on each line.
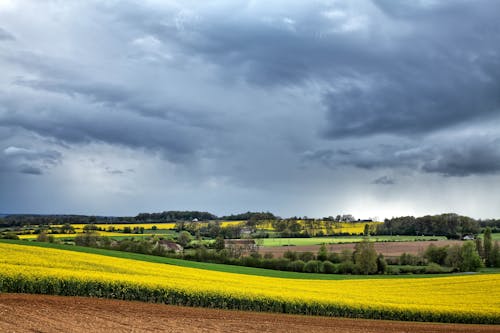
x,y
388,249
41,313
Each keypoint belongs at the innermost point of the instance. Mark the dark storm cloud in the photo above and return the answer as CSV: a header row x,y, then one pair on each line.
x,y
28,161
278,47
460,158
405,68
467,158
30,170
444,72
122,98
384,180
86,125
75,107
225,97
441,69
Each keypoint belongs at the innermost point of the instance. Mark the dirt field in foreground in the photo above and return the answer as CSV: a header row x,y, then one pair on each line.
x,y
40,313
388,249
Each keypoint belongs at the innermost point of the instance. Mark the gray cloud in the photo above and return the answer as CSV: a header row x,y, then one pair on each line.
x,y
50,157
120,97
225,98
5,35
267,47
443,72
384,180
399,68
464,157
30,170
77,122
29,161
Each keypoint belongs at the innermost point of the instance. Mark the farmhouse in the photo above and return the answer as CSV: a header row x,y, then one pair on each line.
x,y
170,245
246,231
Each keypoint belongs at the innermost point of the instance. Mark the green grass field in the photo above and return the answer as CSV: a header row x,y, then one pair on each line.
x,y
343,239
495,237
220,267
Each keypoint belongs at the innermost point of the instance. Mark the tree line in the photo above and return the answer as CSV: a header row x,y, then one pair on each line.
x,y
451,225
19,220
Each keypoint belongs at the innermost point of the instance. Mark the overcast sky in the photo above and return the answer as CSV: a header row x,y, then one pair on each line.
x,y
375,108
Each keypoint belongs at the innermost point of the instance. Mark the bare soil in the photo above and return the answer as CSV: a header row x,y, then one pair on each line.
x,y
388,249
42,313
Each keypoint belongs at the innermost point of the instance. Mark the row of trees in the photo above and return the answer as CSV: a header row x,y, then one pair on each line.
x,y
175,215
209,230
450,225
488,251
464,258
18,220
493,224
22,220
349,262
256,216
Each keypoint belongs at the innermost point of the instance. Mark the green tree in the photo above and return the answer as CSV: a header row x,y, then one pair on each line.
x,y
454,257
87,239
479,247
365,257
381,264
471,261
436,254
495,255
322,253
312,266
292,255
366,231
306,256
297,265
184,238
219,243
90,228
67,229
487,246
329,267
42,237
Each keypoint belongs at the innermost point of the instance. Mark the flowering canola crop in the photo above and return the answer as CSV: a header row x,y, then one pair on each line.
x,y
471,298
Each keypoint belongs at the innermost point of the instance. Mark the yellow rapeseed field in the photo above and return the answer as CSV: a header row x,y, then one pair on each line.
x,y
100,233
328,227
470,296
120,226
147,226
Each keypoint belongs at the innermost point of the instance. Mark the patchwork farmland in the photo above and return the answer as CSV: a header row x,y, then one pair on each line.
x,y
28,269
288,267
